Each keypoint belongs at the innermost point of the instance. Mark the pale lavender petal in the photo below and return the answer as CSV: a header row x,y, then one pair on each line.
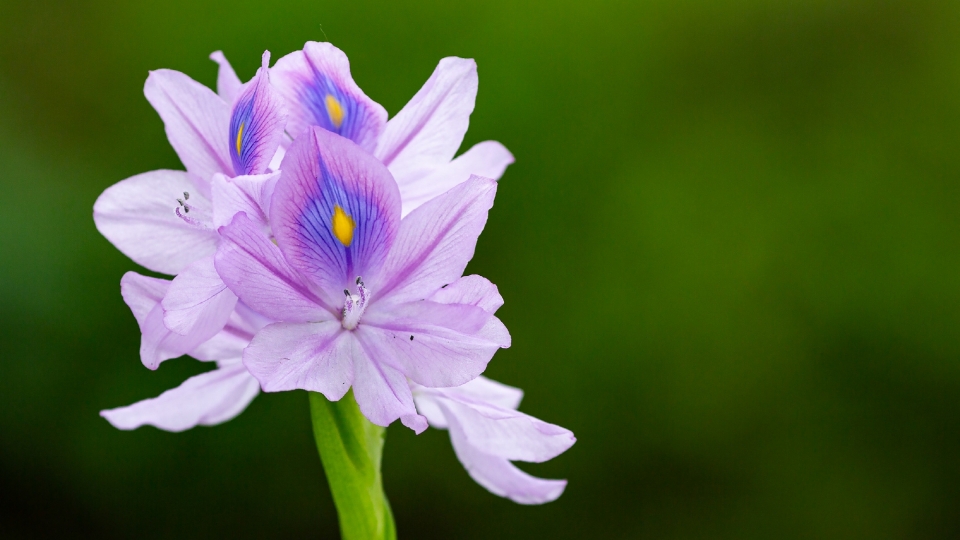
x,y
427,132
487,159
228,84
255,270
335,210
198,303
248,194
206,399
256,124
484,390
499,476
320,91
140,217
416,422
427,353
437,240
473,290
196,121
318,357
157,343
504,432
381,391
229,343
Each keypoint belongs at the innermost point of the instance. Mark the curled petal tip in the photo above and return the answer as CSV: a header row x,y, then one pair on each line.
x,y
265,59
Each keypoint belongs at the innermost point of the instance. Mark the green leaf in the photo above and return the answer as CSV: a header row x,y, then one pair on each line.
x,y
350,449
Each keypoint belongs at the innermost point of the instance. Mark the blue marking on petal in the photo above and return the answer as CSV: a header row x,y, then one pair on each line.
x,y
242,132
331,108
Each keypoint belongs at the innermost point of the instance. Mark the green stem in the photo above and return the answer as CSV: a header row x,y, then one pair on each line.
x,y
350,449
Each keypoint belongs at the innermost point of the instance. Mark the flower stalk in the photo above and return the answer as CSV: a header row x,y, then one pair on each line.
x,y
351,448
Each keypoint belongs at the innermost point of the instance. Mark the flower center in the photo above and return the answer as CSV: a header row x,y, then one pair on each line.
x,y
354,305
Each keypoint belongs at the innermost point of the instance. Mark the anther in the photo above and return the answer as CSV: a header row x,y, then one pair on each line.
x,y
186,195
346,293
180,202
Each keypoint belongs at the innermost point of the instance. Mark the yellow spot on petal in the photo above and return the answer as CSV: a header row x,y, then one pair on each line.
x,y
334,111
239,135
343,226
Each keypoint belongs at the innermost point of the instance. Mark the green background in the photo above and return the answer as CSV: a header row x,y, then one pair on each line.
x,y
728,248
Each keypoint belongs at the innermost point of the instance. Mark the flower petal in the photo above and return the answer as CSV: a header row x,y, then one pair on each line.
x,y
206,399
381,391
198,302
437,240
499,476
473,290
228,84
255,270
157,343
318,357
426,352
504,432
195,118
335,210
139,216
487,159
249,194
230,342
320,91
427,132
256,124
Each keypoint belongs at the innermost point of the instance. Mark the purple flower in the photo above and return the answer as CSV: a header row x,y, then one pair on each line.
x,y
206,399
359,293
417,145
488,433
166,220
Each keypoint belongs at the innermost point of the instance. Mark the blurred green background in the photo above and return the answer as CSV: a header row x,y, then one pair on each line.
x,y
729,251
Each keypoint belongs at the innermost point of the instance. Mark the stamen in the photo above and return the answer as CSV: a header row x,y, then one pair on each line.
x,y
353,306
186,195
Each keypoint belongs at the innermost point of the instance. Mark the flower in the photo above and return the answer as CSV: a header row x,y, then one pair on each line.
x,y
488,432
335,216
166,220
206,399
417,145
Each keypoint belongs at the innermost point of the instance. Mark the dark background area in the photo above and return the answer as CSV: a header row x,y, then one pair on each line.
x,y
728,249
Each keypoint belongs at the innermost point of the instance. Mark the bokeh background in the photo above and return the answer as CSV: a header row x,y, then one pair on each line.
x,y
729,248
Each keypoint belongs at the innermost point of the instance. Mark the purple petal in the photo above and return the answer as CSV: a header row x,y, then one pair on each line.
x,y
473,290
256,124
230,342
157,343
319,91
198,303
139,216
195,118
427,132
255,270
437,240
501,477
228,84
425,351
487,159
319,357
504,432
335,210
381,391
206,399
248,194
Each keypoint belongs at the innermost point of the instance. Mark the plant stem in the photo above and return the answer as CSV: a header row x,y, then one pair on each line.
x,y
350,449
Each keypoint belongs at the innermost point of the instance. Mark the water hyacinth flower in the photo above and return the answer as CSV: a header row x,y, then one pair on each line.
x,y
358,292
318,246
417,145
166,220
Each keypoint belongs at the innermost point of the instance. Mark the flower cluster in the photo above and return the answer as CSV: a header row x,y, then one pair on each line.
x,y
316,245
